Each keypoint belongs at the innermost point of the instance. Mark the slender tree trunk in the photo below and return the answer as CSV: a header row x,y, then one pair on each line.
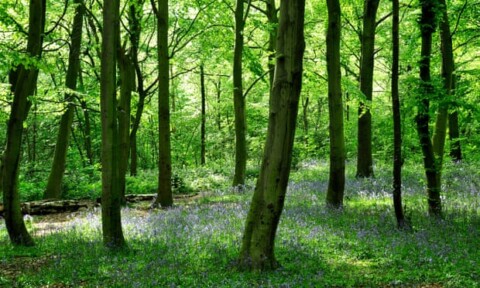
x,y
239,100
24,87
87,132
272,37
364,153
202,129
165,196
305,118
127,76
111,200
54,184
397,124
257,251
427,27
454,135
218,87
336,182
135,15
448,67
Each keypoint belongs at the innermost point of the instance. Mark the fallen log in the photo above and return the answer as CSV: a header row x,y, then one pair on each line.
x,y
49,206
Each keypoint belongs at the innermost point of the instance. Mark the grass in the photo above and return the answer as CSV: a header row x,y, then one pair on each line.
x,y
195,244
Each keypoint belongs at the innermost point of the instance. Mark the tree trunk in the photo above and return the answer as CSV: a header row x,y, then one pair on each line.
x,y
203,115
397,124
364,152
427,27
448,67
454,135
336,182
165,196
134,17
87,132
257,251
239,100
127,76
25,87
272,37
54,184
111,215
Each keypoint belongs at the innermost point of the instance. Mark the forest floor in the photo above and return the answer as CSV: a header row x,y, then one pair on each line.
x,y
196,243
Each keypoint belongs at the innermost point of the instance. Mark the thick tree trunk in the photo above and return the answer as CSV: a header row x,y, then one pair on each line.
x,y
364,152
427,27
54,184
111,215
204,117
24,87
397,123
448,67
336,182
239,100
165,196
257,251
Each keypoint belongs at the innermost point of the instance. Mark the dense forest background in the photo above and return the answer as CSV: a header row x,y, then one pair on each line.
x,y
202,34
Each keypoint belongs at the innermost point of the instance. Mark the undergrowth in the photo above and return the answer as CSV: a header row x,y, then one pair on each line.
x,y
196,243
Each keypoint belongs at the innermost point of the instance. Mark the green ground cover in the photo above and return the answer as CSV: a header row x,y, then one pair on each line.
x,y
195,244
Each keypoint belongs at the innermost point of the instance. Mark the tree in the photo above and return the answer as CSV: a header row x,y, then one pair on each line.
x,y
364,148
257,251
203,115
54,184
111,198
336,181
165,196
448,67
25,84
427,27
397,123
238,99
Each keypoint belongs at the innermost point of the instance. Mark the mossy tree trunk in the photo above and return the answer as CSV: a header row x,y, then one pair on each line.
x,y
257,251
336,181
364,148
111,200
25,85
54,184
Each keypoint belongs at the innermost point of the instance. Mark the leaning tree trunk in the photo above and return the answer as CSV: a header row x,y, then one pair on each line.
x,y
257,251
364,148
397,124
336,182
239,100
24,87
165,196
54,184
111,200
427,28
